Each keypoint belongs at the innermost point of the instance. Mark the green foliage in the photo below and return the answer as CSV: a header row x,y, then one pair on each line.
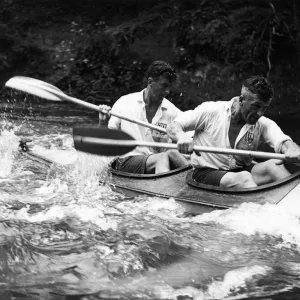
x,y
19,49
215,44
218,42
100,69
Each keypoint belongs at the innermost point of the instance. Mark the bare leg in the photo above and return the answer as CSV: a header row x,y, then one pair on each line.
x,y
237,180
158,163
268,171
177,160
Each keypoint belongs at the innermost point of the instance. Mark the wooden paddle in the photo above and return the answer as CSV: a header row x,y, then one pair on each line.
x,y
110,142
45,90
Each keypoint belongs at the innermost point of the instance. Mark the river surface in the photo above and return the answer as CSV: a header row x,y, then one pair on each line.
x,y
64,236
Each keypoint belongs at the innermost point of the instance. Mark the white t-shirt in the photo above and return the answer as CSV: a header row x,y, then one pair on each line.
x,y
211,121
133,106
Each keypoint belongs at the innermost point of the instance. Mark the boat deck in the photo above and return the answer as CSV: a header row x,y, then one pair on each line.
x,y
178,184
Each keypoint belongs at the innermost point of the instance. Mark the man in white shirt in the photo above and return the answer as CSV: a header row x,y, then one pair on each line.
x,y
236,124
148,105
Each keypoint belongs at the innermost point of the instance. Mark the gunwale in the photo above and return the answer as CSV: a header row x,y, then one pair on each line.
x,y
187,191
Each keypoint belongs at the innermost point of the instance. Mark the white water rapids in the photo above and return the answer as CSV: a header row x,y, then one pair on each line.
x,y
62,234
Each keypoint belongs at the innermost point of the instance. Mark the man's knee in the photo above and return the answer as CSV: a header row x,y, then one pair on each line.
x,y
156,158
241,179
273,169
172,153
276,164
176,159
245,178
162,163
163,156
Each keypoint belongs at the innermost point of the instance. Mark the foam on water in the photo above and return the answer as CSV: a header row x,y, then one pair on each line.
x,y
60,151
9,143
71,193
57,213
251,219
235,280
162,208
79,182
189,292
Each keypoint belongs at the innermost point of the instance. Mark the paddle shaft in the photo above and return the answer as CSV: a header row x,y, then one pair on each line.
x,y
111,142
95,107
62,96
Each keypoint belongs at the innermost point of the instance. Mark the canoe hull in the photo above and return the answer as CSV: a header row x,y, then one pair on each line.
x,y
197,198
190,207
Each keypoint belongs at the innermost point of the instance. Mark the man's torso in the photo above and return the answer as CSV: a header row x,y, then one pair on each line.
x,y
212,124
133,106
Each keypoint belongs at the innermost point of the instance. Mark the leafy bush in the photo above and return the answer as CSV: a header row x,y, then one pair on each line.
x,y
100,67
215,44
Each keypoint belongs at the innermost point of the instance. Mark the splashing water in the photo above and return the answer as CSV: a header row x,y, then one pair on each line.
x,y
62,233
9,143
251,219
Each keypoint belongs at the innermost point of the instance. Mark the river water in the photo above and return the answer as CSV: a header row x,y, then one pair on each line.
x,y
64,236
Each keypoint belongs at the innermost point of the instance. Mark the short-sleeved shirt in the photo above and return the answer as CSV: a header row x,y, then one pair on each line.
x,y
211,122
133,106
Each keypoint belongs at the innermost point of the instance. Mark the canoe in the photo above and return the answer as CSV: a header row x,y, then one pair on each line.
x,y
195,197
200,198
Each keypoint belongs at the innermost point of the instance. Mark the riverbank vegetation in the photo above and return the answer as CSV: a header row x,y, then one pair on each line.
x,y
98,51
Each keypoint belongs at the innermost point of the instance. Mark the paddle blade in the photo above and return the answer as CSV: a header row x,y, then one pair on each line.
x,y
102,141
34,87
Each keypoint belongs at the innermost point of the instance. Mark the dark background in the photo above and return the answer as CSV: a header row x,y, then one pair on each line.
x,y
99,50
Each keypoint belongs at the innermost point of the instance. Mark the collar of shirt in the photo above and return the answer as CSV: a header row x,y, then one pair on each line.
x,y
140,96
164,103
158,114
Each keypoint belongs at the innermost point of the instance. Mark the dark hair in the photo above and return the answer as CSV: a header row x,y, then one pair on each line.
x,y
260,86
161,68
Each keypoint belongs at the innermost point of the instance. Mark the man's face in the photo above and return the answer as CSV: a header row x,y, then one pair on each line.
x,y
252,107
160,88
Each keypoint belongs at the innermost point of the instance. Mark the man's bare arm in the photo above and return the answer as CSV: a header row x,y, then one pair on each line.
x,y
175,131
291,151
184,142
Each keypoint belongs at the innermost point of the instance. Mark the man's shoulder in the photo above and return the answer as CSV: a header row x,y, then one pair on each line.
x,y
169,105
130,97
265,121
215,103
213,106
